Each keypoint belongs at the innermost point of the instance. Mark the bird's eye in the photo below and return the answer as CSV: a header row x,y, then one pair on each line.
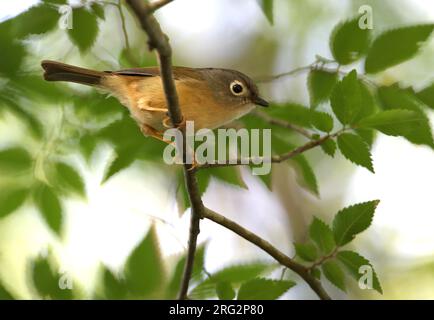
x,y
237,88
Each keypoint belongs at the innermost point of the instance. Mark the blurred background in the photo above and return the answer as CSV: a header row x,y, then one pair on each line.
x,y
108,224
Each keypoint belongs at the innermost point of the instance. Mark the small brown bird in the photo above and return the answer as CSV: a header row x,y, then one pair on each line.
x,y
209,97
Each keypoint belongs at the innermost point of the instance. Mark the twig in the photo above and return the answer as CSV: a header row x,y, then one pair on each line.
x,y
274,159
282,123
125,33
284,74
280,257
159,41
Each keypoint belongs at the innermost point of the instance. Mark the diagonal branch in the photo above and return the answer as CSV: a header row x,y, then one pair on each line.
x,y
159,41
280,257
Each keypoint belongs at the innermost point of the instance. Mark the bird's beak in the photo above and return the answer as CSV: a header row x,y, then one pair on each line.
x,y
261,102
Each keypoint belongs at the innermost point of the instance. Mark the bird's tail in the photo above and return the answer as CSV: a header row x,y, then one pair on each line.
x,y
57,71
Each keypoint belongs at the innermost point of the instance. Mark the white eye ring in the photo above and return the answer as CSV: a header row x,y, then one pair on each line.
x,y
237,88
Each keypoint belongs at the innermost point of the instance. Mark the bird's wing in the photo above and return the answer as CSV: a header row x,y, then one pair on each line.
x,y
179,73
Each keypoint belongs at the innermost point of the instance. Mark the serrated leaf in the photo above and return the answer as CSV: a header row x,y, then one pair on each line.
x,y
14,160
69,179
353,261
403,123
426,95
225,291
267,9
352,220
37,20
47,282
356,150
87,144
349,42
393,97
322,121
264,289
233,274
322,235
114,288
306,251
11,199
329,147
346,100
49,206
320,84
396,46
144,269
333,272
84,29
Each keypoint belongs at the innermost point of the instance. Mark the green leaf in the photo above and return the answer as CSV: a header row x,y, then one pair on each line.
x,y
122,160
11,199
292,112
49,205
346,100
233,274
225,291
329,147
405,123
267,9
393,97
69,179
352,220
13,57
368,135
349,42
320,84
47,283
322,121
114,288
15,160
305,174
4,294
396,46
356,150
353,261
426,95
37,20
144,269
264,289
306,251
84,29
367,103
333,272
98,9
88,143
322,235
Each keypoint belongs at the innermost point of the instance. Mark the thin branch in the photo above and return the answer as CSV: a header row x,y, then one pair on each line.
x,y
159,41
280,257
282,123
130,55
273,159
284,74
